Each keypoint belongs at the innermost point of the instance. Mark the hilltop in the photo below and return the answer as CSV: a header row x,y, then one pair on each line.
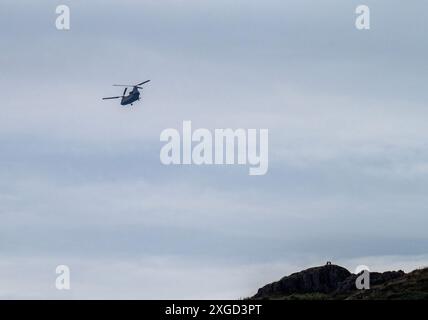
x,y
333,282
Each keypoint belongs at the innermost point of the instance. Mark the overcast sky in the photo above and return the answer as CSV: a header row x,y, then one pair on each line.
x,y
81,182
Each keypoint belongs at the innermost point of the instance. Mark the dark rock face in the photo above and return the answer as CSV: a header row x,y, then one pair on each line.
x,y
325,279
397,286
333,280
376,278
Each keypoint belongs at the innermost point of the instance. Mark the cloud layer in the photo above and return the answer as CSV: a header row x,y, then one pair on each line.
x,y
81,181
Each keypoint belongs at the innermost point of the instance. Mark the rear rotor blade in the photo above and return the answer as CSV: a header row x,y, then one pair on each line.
x,y
143,82
122,85
124,92
108,98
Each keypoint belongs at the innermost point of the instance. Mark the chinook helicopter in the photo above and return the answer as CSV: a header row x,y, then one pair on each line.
x,y
134,94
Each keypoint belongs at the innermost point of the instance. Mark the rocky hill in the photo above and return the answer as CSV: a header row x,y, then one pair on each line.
x,y
332,282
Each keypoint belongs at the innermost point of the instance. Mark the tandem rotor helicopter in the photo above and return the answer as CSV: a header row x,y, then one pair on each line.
x,y
134,94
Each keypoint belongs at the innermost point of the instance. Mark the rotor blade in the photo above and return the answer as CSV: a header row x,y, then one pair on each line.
x,y
122,85
143,82
124,92
111,98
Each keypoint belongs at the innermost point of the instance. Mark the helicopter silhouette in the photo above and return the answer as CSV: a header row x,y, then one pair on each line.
x,y
134,94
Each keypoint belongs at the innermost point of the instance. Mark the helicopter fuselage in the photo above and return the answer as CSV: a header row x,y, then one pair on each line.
x,y
133,96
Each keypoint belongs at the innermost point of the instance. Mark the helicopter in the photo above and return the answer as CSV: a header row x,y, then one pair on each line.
x,y
134,94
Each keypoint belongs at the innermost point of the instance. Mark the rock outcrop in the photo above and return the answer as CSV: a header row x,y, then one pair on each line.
x,y
325,279
376,278
335,282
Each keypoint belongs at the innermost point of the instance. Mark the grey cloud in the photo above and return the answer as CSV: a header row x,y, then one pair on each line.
x,y
81,177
